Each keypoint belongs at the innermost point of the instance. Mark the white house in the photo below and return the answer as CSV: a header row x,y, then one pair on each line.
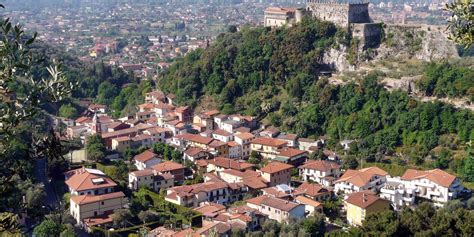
x,y
85,181
276,208
244,140
222,135
320,171
146,159
395,191
371,178
435,185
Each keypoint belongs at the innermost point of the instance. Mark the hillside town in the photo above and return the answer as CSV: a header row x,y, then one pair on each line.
x,y
250,172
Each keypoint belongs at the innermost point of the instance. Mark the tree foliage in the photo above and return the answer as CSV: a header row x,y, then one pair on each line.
x,y
461,22
95,148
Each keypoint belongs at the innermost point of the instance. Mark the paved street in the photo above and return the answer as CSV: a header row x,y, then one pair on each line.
x,y
40,174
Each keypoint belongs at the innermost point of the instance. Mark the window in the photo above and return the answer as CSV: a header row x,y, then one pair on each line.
x,y
101,203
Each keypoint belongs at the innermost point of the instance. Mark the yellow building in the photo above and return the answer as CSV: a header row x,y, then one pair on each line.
x,y
359,205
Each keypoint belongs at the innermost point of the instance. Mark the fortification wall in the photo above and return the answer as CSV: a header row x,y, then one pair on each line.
x,y
359,13
340,14
369,33
333,12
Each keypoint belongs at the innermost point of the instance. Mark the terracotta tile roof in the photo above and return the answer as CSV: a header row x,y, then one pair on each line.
x,y
254,183
97,106
193,151
437,176
275,192
195,138
145,156
229,163
312,190
83,120
221,132
374,170
290,152
82,179
157,94
167,166
275,167
216,143
120,133
158,130
115,125
146,106
201,163
288,137
182,109
212,112
361,177
320,165
309,202
233,144
210,209
141,173
85,199
242,130
273,202
219,227
364,199
267,141
245,136
141,137
122,139
191,190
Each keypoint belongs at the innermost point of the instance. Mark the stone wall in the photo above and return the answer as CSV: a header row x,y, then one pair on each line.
x,y
359,13
340,14
369,33
333,12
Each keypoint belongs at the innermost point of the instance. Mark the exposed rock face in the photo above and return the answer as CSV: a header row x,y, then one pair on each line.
x,y
400,41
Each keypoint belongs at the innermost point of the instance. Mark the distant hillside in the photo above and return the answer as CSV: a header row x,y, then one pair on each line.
x,y
100,82
274,74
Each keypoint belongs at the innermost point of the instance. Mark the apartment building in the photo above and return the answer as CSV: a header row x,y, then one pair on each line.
x,y
151,179
436,185
360,204
213,191
170,167
276,173
267,147
244,140
276,208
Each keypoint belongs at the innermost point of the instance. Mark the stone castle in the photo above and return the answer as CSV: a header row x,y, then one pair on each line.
x,y
340,12
350,14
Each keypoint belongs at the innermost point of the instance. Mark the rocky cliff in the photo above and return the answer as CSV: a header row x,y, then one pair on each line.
x,y
421,42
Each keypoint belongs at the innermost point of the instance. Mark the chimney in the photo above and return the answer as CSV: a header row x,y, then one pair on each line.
x,y
364,197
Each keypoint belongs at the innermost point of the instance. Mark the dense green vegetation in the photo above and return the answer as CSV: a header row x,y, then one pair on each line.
x,y
453,220
447,80
252,60
272,73
105,84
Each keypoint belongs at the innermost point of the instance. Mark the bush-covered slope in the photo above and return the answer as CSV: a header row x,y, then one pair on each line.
x,y
273,73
